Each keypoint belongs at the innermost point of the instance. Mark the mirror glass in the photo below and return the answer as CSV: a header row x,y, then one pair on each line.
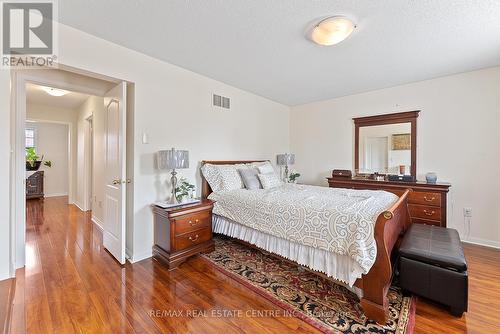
x,y
385,149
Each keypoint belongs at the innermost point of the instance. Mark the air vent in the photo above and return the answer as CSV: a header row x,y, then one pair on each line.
x,y
221,101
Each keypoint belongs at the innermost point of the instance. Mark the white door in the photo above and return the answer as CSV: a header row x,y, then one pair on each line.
x,y
115,173
376,154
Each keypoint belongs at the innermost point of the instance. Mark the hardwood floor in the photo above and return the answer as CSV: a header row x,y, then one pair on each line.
x,y
72,284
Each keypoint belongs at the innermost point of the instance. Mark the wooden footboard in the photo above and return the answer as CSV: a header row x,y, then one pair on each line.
x,y
388,228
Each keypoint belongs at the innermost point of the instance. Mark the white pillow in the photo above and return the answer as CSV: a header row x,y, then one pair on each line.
x,y
222,177
269,180
265,168
231,178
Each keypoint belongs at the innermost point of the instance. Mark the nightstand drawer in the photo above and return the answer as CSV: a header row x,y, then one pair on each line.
x,y
425,212
426,198
192,222
188,240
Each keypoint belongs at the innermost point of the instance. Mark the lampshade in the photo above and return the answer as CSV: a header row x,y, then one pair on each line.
x,y
285,159
332,30
173,159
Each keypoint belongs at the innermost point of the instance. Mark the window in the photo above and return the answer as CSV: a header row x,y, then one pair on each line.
x,y
30,137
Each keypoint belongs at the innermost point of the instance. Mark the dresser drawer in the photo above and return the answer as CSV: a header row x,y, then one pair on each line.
x,y
426,222
191,239
425,212
426,198
193,222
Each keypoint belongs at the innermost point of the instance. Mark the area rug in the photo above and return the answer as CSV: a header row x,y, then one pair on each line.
x,y
316,299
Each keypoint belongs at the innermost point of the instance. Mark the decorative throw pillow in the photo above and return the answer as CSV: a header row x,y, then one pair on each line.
x,y
222,177
269,181
250,178
213,176
231,179
265,168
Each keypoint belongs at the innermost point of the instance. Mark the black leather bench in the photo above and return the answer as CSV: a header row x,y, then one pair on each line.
x,y
432,265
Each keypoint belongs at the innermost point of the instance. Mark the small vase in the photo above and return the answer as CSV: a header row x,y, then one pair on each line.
x,y
431,177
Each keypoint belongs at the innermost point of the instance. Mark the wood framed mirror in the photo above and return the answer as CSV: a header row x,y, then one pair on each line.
x,y
386,144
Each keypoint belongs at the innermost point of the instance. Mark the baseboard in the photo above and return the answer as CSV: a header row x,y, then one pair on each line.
x,y
78,205
97,223
483,242
56,195
133,258
128,254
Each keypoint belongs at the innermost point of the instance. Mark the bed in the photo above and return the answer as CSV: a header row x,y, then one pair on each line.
x,y
346,234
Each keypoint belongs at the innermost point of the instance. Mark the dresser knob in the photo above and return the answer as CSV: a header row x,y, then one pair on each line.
x,y
429,213
429,199
194,239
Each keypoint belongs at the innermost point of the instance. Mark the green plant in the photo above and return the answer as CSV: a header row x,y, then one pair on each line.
x,y
293,177
183,189
32,158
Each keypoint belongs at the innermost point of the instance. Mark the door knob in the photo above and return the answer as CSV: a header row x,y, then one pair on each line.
x,y
115,182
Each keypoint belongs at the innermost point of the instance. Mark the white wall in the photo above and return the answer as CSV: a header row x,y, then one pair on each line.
x,y
37,112
173,106
52,141
92,107
6,206
457,137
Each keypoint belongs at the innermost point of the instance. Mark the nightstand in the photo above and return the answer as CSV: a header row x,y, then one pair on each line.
x,y
182,231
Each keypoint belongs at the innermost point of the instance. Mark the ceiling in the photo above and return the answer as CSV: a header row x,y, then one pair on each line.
x,y
36,95
260,45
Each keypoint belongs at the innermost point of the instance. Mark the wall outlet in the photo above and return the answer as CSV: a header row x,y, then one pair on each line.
x,y
467,212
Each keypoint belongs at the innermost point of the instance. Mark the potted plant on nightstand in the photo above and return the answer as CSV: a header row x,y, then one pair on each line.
x,y
184,190
292,178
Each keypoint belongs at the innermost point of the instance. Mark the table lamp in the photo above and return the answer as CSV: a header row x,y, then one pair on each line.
x,y
171,160
285,159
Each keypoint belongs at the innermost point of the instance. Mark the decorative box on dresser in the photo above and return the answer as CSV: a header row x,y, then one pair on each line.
x,y
426,203
182,231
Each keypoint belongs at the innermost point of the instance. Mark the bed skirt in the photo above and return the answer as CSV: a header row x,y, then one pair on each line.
x,y
340,267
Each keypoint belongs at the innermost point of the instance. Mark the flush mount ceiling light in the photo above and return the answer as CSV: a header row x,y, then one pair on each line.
x,y
332,30
55,91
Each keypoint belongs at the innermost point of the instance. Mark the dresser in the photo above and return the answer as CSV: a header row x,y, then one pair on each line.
x,y
34,185
181,232
426,203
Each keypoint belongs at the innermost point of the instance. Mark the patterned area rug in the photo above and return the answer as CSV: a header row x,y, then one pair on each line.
x,y
319,301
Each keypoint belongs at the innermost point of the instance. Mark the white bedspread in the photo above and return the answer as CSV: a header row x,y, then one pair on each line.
x,y
339,221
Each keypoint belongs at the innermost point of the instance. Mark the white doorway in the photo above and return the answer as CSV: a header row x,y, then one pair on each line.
x,y
76,82
376,154
51,140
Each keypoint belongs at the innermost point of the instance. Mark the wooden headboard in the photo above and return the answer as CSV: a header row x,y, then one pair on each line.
x,y
205,187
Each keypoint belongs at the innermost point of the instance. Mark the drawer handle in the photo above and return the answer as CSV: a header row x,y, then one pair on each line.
x,y
429,199
429,213
195,222
194,239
